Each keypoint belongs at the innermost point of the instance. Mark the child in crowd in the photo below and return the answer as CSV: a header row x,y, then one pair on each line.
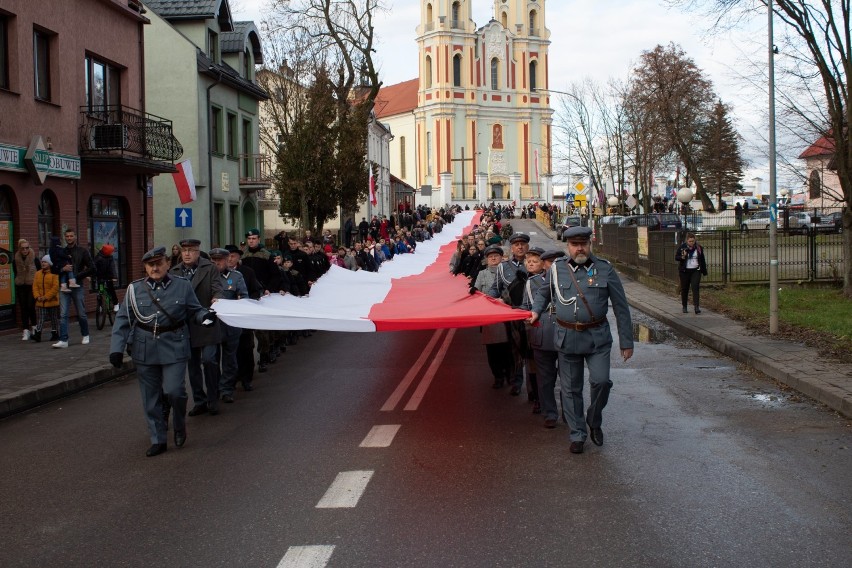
x,y
60,259
46,294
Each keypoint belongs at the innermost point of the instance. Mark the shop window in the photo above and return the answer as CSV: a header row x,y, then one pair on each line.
x,y
107,225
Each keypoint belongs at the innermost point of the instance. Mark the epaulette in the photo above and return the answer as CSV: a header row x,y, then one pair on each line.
x,y
598,259
140,280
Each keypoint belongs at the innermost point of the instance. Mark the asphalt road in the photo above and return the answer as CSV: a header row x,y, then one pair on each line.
x,y
704,464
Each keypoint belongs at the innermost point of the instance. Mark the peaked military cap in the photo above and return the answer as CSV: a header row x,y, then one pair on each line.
x,y
219,253
190,243
491,249
253,232
234,249
155,253
537,251
551,254
578,234
519,238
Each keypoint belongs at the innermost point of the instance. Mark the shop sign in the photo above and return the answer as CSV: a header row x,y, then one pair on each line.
x,y
38,161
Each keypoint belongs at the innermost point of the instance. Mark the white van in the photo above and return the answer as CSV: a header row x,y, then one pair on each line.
x,y
754,204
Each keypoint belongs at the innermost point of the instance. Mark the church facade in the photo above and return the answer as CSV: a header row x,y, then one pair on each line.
x,y
475,126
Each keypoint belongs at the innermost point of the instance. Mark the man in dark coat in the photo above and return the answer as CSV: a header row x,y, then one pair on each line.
x,y
204,340
245,350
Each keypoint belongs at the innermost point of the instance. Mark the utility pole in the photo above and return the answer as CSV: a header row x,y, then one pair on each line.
x,y
773,201
463,160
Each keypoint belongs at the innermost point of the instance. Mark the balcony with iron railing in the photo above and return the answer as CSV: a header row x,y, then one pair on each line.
x,y
128,137
255,172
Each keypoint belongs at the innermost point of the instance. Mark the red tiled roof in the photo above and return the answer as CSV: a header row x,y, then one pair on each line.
x,y
397,99
822,147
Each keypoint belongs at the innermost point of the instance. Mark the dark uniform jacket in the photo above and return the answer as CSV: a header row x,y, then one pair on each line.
x,y
265,269
207,286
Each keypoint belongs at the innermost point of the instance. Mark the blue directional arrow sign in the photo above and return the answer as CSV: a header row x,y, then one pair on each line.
x,y
183,217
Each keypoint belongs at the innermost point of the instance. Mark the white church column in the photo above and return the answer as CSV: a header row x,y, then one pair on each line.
x,y
515,188
446,193
547,188
483,192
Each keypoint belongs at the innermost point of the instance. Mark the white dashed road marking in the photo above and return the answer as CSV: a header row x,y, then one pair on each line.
x,y
418,395
346,489
397,395
307,556
380,436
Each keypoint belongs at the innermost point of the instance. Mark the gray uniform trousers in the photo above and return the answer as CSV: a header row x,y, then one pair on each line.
x,y
160,359
600,285
233,288
541,340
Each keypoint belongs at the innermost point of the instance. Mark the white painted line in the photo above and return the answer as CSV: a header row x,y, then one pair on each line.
x,y
418,395
346,489
307,556
397,395
380,436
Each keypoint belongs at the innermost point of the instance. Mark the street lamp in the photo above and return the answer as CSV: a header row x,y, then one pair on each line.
x,y
684,196
612,201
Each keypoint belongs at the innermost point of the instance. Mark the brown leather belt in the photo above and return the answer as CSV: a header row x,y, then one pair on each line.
x,y
160,328
578,326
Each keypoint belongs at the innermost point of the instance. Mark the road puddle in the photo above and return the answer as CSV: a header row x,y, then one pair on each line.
x,y
768,399
646,334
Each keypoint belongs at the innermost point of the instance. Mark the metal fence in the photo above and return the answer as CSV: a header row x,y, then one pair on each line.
x,y
731,256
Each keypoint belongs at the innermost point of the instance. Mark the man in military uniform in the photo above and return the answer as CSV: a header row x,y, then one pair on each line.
x,y
233,288
245,350
542,339
509,271
207,285
151,326
580,289
258,258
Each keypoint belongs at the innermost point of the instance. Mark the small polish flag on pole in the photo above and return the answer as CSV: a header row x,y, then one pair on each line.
x,y
373,199
185,182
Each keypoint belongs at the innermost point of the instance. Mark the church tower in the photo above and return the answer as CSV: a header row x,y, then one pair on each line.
x,y
483,127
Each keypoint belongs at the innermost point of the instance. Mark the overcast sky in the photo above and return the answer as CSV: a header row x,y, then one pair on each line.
x,y
596,39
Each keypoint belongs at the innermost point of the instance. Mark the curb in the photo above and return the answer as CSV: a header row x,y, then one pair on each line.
x,y
49,391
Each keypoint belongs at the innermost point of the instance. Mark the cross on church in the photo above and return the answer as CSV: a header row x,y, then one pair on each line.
x,y
463,160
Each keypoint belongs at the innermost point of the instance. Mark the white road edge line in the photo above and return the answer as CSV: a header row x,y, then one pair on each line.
x,y
345,490
314,556
418,395
380,436
397,395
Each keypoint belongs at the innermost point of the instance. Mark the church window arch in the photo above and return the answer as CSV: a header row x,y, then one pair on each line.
x,y
533,75
495,74
504,19
533,22
456,15
428,73
814,185
429,13
457,70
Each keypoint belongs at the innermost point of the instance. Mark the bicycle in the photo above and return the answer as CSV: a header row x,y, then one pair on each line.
x,y
105,307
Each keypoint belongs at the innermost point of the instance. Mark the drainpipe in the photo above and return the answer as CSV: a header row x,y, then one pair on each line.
x,y
210,153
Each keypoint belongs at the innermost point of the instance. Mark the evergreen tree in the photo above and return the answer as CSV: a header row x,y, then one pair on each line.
x,y
721,163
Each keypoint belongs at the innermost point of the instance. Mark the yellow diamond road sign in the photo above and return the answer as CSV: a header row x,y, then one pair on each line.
x,y
580,186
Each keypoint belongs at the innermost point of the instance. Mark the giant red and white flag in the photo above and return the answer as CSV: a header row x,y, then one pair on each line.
x,y
373,198
412,291
185,182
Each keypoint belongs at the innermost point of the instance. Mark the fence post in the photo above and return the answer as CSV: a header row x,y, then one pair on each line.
x,y
726,268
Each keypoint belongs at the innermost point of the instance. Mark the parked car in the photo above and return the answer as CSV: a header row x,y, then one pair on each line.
x,y
567,223
754,204
610,219
837,218
654,221
759,220
802,222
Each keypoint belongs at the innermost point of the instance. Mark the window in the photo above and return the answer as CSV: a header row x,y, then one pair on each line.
x,y
213,46
247,64
41,64
103,84
814,185
456,15
504,19
248,148
428,70
233,135
106,222
428,153
457,70
495,74
402,157
533,30
533,69
216,130
4,52
429,13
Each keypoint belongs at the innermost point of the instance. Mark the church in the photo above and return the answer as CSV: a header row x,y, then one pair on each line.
x,y
475,125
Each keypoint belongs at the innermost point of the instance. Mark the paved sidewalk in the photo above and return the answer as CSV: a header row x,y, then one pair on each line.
x,y
34,374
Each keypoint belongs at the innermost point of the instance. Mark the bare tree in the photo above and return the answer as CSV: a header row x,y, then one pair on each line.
x,y
677,97
817,44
